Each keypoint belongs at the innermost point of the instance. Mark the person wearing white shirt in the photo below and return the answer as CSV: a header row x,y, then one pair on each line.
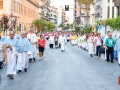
x,y
52,40
62,41
117,48
91,44
98,44
33,40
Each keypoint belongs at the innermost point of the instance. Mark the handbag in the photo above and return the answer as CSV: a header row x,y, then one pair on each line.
x,y
119,80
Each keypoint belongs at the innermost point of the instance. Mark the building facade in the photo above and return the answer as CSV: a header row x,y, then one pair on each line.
x,y
23,11
74,11
97,9
80,17
45,9
108,9
53,15
67,20
61,15
117,5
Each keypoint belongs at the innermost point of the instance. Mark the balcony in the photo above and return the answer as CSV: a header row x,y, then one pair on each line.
x,y
117,3
53,13
34,3
83,14
97,7
97,0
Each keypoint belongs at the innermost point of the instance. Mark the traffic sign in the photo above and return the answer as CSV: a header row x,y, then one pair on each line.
x,y
99,27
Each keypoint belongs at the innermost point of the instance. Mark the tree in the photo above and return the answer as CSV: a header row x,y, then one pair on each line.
x,y
67,26
5,21
1,27
71,25
50,26
61,25
40,24
77,29
114,23
85,2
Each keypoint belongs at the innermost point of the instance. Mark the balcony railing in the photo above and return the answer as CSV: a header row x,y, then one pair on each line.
x,y
34,3
83,14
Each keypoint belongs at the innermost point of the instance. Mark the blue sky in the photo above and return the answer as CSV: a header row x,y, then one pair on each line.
x,y
58,3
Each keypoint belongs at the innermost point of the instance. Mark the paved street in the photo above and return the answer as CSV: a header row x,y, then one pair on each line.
x,y
70,70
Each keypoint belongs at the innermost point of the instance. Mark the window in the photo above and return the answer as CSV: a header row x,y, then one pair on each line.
x,y
12,6
15,6
21,9
18,7
108,12
25,10
1,4
112,12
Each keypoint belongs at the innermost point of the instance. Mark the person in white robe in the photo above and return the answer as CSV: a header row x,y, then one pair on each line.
x,y
91,44
65,35
52,40
83,41
117,48
62,41
12,47
59,40
108,32
23,53
33,40
78,41
95,37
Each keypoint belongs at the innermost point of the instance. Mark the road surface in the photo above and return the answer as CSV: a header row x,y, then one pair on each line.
x,y
73,69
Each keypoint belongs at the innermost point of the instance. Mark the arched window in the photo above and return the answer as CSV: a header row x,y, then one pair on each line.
x,y
1,4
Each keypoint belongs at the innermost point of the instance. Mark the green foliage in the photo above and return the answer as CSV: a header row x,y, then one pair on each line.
x,y
86,29
114,23
41,25
98,22
50,26
71,25
77,29
85,2
61,25
68,26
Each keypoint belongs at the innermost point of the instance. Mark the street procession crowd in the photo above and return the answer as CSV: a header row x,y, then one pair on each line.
x,y
16,52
